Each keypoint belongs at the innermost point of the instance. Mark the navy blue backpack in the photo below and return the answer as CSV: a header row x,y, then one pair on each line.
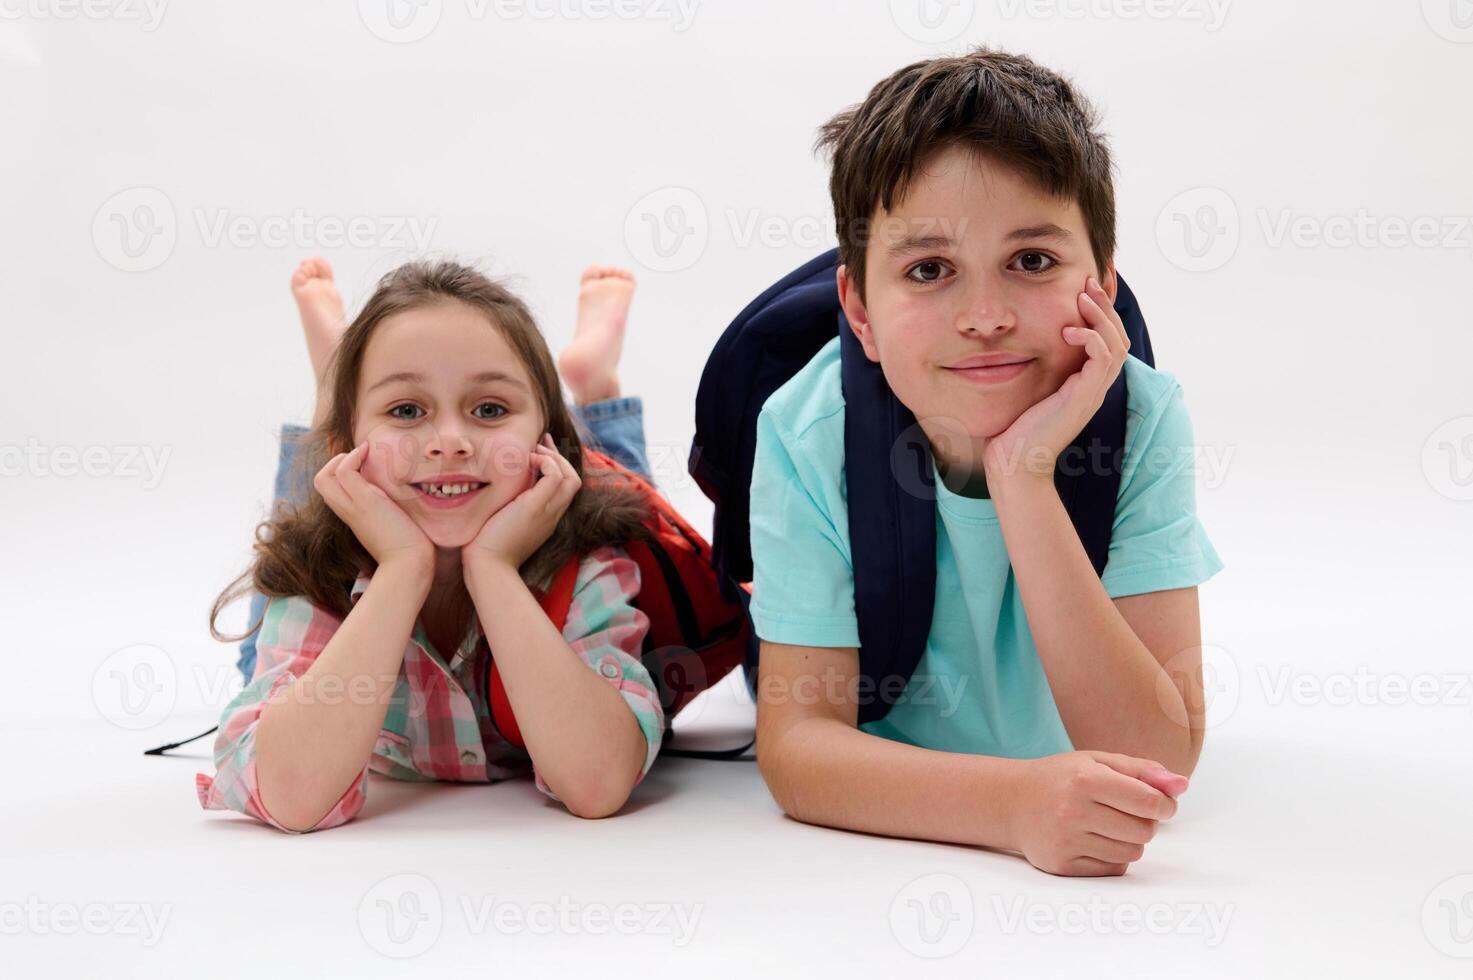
x,y
889,471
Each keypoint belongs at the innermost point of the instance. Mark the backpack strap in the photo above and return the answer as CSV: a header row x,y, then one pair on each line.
x,y
890,485
555,602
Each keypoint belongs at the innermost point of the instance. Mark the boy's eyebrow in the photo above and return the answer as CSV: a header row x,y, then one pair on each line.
x,y
926,243
483,378
920,244
1049,230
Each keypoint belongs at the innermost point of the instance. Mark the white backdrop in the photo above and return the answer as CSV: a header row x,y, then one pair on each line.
x,y
1294,215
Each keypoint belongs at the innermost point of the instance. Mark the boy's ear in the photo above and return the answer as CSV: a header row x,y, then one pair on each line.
x,y
856,314
1108,284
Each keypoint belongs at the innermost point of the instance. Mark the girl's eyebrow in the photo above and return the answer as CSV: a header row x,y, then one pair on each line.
x,y
483,378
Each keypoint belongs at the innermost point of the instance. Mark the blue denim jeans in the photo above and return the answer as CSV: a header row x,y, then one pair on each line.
x,y
614,427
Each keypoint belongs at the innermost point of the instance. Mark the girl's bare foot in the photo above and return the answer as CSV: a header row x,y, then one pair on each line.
x,y
590,362
321,307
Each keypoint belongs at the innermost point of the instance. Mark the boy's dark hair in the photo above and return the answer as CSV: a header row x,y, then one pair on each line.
x,y
1003,106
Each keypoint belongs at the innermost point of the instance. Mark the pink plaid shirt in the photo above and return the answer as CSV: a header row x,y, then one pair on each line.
x,y
438,725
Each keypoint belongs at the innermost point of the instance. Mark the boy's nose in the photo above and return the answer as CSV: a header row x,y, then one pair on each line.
x,y
984,319
984,311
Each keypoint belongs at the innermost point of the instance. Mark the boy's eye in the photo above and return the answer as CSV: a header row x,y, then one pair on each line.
x,y
931,270
1031,260
500,411
394,412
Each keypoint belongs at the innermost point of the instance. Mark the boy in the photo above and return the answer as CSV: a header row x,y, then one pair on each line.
x,y
1055,712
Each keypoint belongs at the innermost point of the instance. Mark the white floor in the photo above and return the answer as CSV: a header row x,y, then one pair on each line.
x,y
1328,830
1309,845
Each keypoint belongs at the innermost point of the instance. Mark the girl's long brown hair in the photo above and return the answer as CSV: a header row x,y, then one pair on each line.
x,y
309,551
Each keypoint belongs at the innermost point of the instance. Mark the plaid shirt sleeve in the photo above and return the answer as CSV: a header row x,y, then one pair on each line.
x,y
608,632
293,634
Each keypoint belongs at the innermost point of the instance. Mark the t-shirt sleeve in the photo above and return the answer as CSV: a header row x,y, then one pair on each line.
x,y
803,577
294,632
606,630
1158,542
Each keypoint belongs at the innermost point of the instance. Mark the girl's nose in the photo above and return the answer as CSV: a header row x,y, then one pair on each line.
x,y
451,440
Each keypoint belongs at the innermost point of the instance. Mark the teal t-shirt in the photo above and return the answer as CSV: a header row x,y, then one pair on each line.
x,y
979,687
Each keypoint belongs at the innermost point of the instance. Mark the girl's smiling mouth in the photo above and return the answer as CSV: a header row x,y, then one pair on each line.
x,y
448,492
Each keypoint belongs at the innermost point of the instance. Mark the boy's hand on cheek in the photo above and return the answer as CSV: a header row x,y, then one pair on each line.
x,y
512,534
1029,449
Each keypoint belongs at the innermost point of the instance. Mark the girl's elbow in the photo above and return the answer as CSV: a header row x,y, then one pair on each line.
x,y
596,803
593,796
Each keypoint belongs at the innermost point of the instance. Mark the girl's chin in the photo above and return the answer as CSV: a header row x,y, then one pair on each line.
x,y
446,534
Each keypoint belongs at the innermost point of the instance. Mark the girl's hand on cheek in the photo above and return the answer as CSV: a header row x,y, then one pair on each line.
x,y
380,524
512,534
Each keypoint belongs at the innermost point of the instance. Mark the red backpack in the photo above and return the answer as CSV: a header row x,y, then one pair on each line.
x,y
696,636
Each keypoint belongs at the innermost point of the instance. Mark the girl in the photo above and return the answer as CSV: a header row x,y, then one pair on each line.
x,y
449,487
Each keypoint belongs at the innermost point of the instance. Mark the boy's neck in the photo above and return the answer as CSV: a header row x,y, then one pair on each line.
x,y
962,480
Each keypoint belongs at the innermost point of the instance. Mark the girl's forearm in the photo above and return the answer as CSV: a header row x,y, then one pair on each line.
x,y
583,739
1105,681
317,734
823,771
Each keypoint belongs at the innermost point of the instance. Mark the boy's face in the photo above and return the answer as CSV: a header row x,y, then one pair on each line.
x,y
441,394
974,261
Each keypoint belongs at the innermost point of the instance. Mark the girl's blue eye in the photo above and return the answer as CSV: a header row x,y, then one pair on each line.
x,y
393,412
500,410
931,270
1037,255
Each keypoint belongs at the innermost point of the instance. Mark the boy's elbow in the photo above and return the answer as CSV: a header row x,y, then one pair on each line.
x,y
773,765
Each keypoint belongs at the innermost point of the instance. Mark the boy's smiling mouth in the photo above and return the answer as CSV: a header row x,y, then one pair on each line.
x,y
990,368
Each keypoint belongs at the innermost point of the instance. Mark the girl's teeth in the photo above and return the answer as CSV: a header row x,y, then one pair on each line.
x,y
448,489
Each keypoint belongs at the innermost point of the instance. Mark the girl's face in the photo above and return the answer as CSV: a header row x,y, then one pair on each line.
x,y
451,417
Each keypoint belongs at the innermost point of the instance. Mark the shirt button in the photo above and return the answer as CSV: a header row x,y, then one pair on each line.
x,y
610,670
469,757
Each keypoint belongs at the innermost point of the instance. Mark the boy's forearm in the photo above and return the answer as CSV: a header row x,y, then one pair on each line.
x,y
1107,684
315,737
823,771
582,737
